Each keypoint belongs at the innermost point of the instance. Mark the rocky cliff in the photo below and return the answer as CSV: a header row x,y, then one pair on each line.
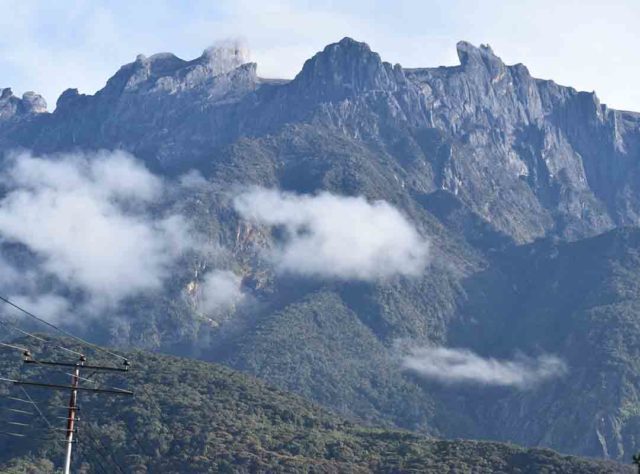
x,y
486,160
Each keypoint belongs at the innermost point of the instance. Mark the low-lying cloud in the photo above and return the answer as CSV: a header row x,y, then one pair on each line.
x,y
87,219
94,224
459,366
337,236
219,290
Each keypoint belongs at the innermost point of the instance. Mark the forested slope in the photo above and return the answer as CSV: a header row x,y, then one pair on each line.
x,y
194,417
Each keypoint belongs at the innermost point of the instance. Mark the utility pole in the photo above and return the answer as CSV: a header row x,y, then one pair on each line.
x,y
74,388
73,410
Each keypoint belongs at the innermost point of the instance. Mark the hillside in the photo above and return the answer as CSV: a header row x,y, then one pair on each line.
x,y
578,299
195,417
521,194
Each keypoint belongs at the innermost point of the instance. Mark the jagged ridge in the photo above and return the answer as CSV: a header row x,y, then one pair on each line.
x,y
481,156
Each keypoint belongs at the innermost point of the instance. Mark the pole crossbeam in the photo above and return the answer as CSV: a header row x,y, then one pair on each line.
x,y
113,391
74,389
71,364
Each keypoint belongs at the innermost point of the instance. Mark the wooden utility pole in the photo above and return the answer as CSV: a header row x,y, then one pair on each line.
x,y
74,388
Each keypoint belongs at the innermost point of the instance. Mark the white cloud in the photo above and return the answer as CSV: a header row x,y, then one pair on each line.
x,y
337,236
52,307
9,275
88,219
220,289
451,366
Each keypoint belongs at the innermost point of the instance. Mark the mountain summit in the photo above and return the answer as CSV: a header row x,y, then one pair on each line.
x,y
562,161
516,189
346,69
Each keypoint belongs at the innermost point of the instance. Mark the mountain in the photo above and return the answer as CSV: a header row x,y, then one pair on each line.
x,y
529,156
526,190
579,299
192,417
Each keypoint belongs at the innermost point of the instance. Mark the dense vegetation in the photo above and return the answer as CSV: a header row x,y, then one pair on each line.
x,y
482,158
580,300
193,417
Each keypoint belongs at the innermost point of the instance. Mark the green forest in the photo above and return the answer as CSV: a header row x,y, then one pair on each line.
x,y
188,416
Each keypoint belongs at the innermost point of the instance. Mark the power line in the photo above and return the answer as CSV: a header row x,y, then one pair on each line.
x,y
99,450
15,435
38,338
11,346
82,378
22,435
16,399
16,410
134,437
74,388
21,331
94,459
35,405
62,331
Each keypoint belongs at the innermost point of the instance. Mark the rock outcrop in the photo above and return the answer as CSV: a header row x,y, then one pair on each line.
x,y
529,156
12,107
486,160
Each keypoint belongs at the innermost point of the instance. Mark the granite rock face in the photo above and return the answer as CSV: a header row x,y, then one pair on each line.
x,y
529,156
14,108
486,160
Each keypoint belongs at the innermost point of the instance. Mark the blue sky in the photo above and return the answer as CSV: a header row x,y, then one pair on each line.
x,y
48,46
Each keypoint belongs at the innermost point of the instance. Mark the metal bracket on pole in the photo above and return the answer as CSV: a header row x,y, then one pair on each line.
x,y
72,408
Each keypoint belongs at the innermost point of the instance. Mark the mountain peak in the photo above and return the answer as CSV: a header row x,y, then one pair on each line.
x,y
349,42
345,51
345,68
34,103
11,106
474,58
471,56
166,71
225,56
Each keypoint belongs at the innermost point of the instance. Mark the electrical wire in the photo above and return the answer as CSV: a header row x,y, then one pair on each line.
x,y
81,378
11,346
20,412
97,447
94,459
35,405
16,435
15,399
89,437
38,338
61,331
65,372
15,328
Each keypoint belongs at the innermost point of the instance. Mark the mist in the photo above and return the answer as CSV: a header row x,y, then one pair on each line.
x,y
332,236
461,366
95,225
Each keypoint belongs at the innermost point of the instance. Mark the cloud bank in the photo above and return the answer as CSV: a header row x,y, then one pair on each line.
x,y
94,224
452,366
336,236
86,218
